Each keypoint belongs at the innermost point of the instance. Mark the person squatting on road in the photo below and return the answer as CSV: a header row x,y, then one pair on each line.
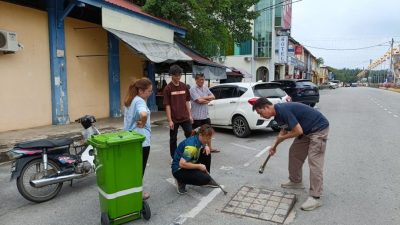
x,y
200,97
137,115
177,107
310,129
192,160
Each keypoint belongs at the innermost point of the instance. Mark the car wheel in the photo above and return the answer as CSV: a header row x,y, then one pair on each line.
x,y
240,127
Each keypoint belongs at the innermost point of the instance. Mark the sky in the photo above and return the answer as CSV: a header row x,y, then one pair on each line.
x,y
341,24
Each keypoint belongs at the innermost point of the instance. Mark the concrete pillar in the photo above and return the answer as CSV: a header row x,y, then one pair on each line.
x,y
114,83
58,64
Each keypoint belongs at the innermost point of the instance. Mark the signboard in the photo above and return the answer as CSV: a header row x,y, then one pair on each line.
x,y
282,43
298,50
287,14
290,50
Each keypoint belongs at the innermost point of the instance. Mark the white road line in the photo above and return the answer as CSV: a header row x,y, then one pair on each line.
x,y
244,146
204,201
192,192
256,156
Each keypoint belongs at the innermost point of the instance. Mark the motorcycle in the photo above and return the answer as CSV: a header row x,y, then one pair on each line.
x,y
40,167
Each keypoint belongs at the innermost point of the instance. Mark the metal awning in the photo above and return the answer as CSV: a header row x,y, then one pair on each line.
x,y
154,50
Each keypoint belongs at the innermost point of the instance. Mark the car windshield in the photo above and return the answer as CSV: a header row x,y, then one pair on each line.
x,y
266,91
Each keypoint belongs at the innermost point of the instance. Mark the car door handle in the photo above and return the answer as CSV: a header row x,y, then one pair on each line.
x,y
232,102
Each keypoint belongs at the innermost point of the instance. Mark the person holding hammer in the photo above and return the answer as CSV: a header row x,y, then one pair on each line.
x,y
310,129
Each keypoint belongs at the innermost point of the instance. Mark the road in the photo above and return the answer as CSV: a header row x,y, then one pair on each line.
x,y
361,186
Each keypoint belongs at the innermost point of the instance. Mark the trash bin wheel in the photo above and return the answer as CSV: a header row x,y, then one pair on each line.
x,y
146,213
104,219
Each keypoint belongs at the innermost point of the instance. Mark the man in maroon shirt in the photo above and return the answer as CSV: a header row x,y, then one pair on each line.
x,y
177,107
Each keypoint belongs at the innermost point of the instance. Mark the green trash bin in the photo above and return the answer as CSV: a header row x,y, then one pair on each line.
x,y
118,160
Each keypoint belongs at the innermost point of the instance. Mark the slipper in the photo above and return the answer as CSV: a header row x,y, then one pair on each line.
x,y
215,150
146,195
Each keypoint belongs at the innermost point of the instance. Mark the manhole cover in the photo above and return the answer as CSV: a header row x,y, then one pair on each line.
x,y
261,204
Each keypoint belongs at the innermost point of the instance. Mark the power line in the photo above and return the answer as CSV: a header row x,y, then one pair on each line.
x,y
347,49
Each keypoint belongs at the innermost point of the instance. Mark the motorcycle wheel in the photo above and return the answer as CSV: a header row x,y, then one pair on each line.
x,y
32,171
146,213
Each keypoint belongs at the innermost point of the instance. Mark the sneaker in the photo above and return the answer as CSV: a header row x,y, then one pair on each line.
x,y
293,185
180,187
146,195
311,204
211,184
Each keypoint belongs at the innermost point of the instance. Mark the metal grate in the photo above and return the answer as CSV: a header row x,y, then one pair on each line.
x,y
261,204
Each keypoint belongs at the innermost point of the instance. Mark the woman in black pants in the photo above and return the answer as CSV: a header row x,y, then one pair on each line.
x,y
192,160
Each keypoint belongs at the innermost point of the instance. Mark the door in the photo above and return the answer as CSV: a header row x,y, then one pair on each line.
x,y
224,105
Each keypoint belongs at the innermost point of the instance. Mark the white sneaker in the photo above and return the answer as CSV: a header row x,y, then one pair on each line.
x,y
311,204
293,185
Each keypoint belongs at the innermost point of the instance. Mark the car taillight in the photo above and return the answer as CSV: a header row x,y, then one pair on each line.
x,y
252,101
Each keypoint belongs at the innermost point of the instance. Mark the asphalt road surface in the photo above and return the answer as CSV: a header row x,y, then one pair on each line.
x,y
361,185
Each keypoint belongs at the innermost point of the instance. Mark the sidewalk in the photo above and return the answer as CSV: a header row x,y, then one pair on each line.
x,y
73,130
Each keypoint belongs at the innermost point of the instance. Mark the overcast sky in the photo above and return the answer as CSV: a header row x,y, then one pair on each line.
x,y
342,24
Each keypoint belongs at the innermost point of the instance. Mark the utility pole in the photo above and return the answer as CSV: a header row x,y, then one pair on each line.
x,y
391,62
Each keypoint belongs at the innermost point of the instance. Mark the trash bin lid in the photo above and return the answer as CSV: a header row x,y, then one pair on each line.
x,y
115,138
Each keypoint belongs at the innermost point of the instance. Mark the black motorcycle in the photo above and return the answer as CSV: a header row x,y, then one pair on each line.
x,y
41,166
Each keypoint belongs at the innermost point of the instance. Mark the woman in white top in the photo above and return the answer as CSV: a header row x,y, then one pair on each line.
x,y
137,115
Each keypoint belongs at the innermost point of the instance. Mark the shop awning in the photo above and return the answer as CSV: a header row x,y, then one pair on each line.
x,y
154,50
210,69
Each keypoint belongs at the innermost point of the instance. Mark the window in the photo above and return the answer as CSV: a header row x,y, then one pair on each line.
x,y
227,92
263,30
267,91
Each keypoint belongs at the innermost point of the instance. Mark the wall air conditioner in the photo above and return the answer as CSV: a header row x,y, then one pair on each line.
x,y
8,41
221,59
247,59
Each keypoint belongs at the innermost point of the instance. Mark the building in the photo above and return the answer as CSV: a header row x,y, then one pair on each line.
x,y
266,56
67,59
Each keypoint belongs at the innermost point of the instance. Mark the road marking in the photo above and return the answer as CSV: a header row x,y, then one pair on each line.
x,y
226,168
244,146
256,156
192,193
204,201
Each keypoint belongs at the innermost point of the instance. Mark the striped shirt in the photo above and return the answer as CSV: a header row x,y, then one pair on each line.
x,y
199,111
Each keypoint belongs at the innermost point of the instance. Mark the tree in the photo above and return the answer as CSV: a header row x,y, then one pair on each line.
x,y
211,25
320,61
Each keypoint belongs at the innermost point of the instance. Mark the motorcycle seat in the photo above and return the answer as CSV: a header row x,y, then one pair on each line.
x,y
45,143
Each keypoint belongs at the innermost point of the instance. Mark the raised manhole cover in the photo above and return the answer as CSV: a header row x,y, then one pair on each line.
x,y
261,204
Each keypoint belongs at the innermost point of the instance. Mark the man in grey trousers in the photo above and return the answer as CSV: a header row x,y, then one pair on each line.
x,y
310,129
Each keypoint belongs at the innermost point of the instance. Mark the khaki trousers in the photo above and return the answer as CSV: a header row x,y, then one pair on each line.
x,y
311,145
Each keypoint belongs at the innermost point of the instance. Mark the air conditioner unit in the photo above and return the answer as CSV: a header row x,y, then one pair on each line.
x,y
221,59
248,59
8,41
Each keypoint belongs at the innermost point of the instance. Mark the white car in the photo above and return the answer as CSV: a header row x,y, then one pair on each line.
x,y
233,106
333,85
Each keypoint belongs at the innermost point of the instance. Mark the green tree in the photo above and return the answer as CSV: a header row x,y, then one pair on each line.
x,y
320,61
212,25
